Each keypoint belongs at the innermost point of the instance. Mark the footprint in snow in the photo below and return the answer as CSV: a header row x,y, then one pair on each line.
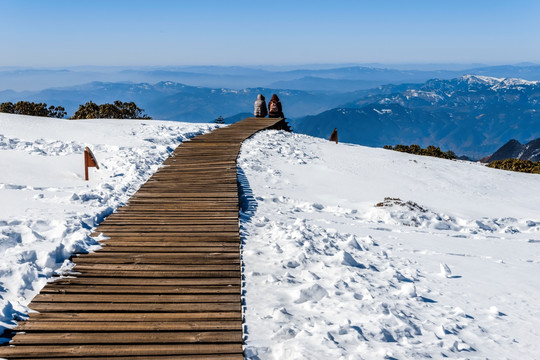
x,y
355,245
281,315
317,206
494,311
347,259
313,293
446,272
292,264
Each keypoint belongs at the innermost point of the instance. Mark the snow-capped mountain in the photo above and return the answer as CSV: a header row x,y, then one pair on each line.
x,y
471,115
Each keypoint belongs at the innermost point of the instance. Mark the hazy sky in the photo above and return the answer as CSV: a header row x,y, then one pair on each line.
x,y
227,32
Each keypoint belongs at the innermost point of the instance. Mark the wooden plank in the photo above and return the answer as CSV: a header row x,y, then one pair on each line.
x,y
131,317
169,235
143,281
193,202
166,257
168,261
133,307
157,212
197,263
161,337
234,238
157,267
114,245
169,228
155,289
195,195
173,249
137,298
150,357
157,274
105,326
37,352
171,207
163,255
168,218
170,213
145,258
187,188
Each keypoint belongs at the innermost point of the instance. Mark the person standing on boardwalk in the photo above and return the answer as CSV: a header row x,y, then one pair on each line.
x,y
260,106
274,108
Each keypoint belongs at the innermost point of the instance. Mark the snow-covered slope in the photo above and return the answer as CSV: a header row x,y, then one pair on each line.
x,y
447,266
47,210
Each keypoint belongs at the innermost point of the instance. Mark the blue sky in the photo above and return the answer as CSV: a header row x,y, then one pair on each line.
x,y
206,32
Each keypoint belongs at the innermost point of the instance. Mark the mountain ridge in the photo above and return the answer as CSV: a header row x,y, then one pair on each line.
x,y
168,100
239,77
513,149
471,115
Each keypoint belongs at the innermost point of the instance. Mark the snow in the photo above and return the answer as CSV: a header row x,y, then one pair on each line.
x,y
480,79
383,111
48,210
425,95
498,83
349,252
446,266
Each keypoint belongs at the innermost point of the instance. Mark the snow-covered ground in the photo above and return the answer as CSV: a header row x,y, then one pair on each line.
x,y
47,209
447,266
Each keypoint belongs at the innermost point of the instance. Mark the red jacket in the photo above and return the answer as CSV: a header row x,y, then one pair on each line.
x,y
279,113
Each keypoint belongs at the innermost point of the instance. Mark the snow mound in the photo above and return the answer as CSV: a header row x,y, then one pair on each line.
x,y
447,272
48,209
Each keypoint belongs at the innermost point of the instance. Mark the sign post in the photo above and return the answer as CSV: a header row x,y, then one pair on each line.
x,y
89,161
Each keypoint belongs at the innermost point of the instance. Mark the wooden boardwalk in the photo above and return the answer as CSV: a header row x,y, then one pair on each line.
x,y
167,284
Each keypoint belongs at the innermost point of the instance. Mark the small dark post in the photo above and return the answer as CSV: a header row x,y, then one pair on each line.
x,y
333,137
89,161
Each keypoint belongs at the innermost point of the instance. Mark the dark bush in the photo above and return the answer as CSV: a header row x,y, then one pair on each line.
x,y
417,150
32,109
411,205
527,166
117,110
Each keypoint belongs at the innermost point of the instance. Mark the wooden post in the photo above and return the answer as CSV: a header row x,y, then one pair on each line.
x,y
89,161
333,137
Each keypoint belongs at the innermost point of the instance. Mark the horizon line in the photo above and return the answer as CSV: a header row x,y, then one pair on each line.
x,y
338,64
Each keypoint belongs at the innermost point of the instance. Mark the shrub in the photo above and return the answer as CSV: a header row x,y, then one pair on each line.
x,y
527,166
33,109
117,110
411,205
417,150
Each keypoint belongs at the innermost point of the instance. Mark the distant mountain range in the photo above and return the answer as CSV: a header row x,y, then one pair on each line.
x,y
515,150
174,101
470,115
309,78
